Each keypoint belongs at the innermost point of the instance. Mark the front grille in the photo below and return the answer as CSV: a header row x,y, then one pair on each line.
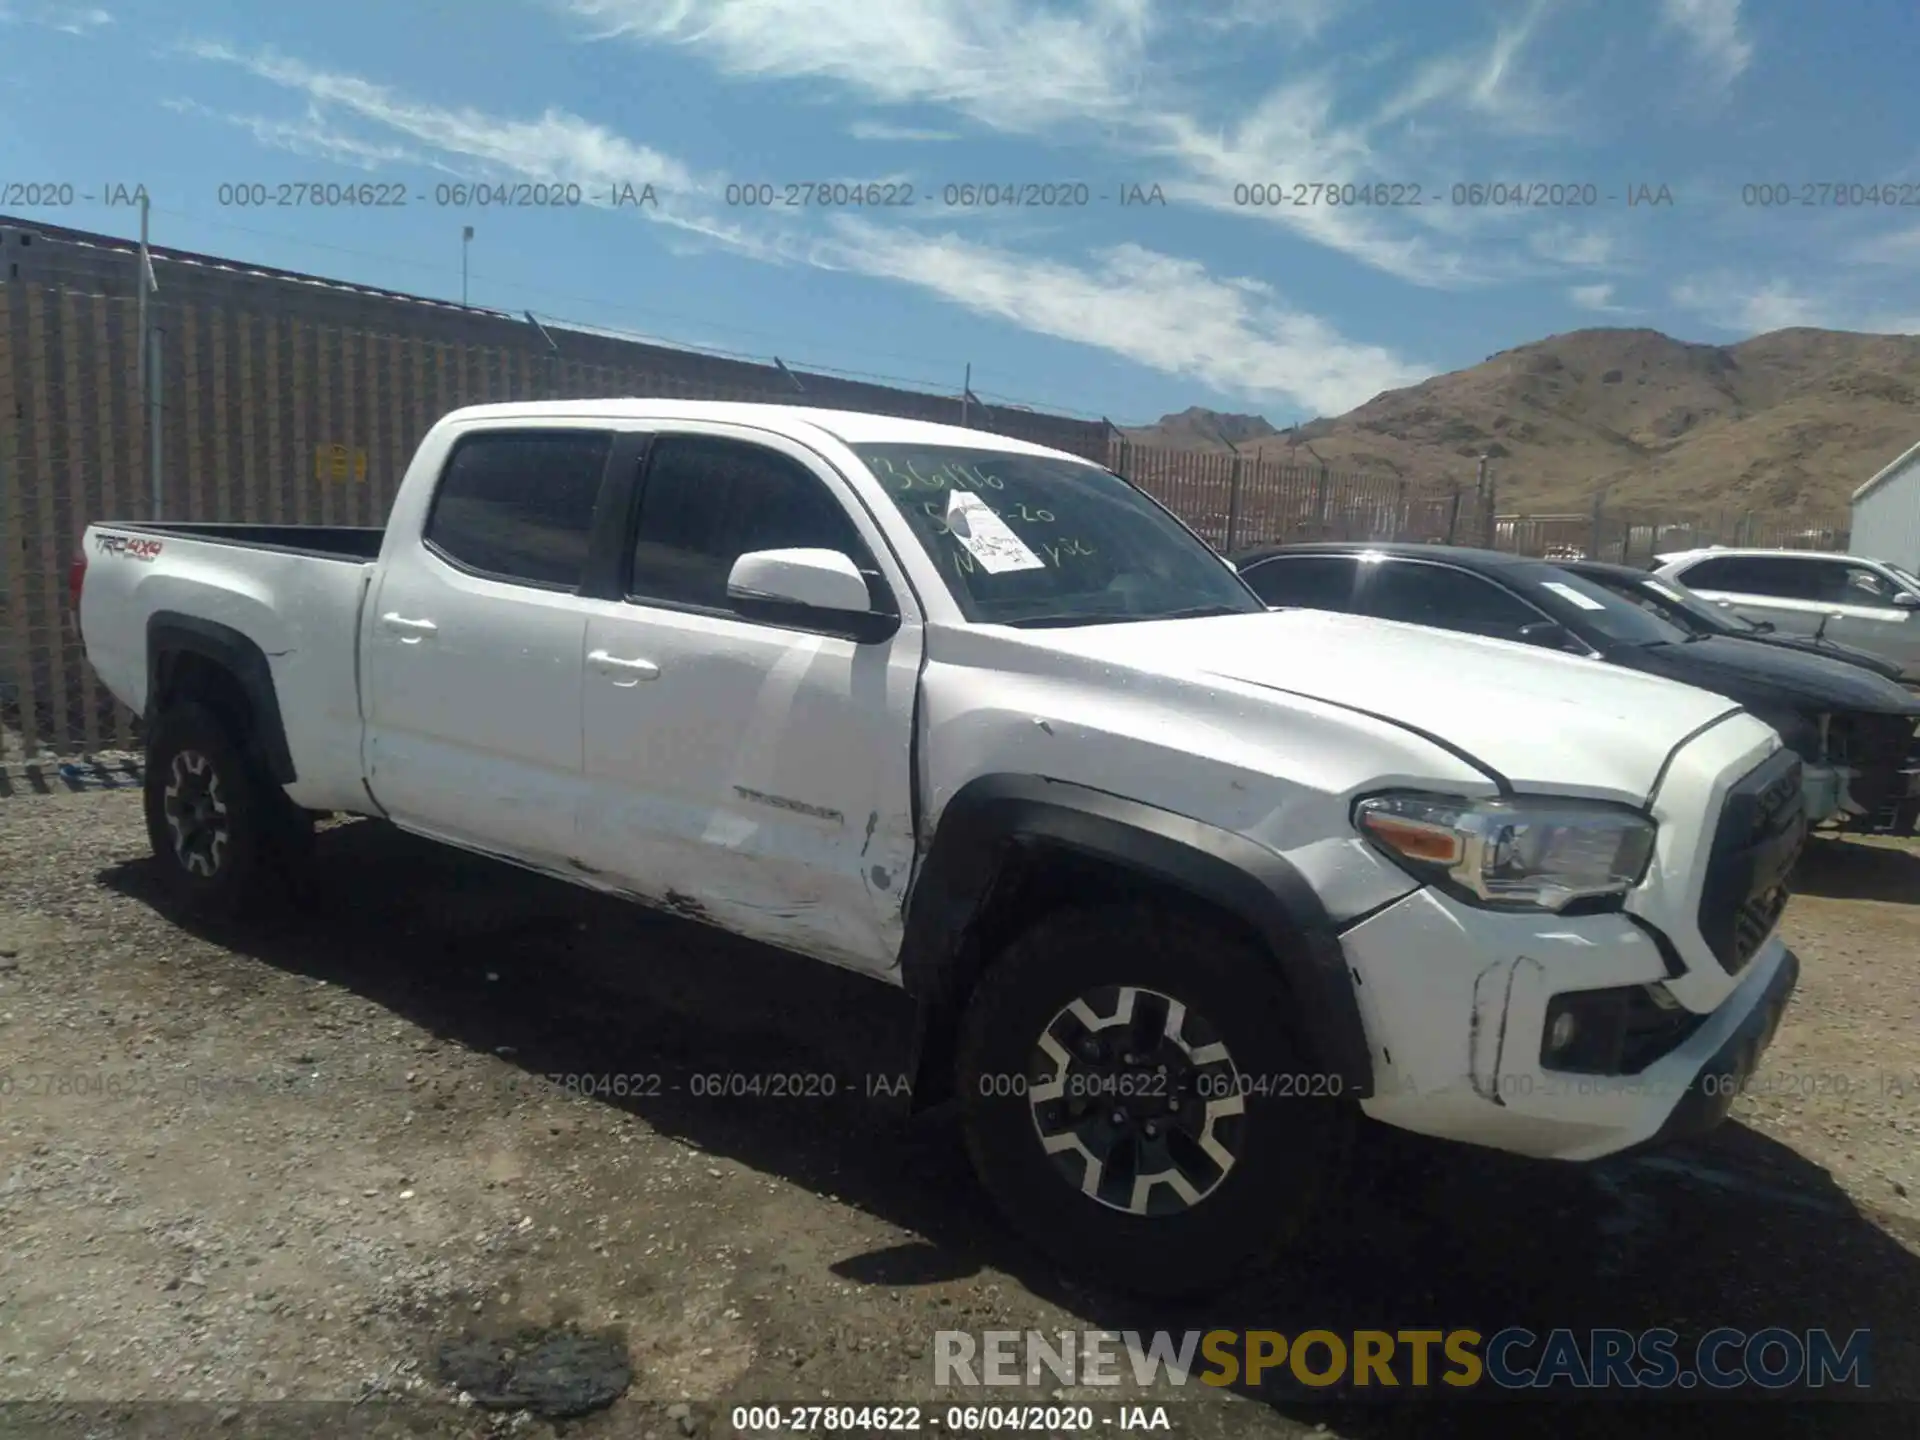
x,y
1761,832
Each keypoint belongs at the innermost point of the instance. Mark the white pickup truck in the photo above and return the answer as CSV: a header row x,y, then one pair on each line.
x,y
1181,886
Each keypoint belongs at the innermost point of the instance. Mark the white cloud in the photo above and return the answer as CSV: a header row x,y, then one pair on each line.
x,y
1902,247
875,130
312,136
1597,298
1754,307
69,19
556,146
1100,67
1005,63
1486,81
1712,31
1568,245
1159,310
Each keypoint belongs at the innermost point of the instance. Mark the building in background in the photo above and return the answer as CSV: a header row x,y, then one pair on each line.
x,y
1886,514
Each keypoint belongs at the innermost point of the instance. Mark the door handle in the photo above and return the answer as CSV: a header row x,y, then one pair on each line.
x,y
412,632
623,669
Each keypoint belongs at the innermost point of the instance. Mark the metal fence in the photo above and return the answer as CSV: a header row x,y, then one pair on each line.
x,y
265,412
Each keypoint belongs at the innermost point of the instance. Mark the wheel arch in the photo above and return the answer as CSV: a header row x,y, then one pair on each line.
x,y
189,658
1009,847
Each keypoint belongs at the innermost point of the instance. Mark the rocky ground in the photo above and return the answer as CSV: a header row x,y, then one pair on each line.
x,y
316,1176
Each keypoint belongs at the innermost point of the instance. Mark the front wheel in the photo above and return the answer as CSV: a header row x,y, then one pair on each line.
x,y
220,830
1137,1102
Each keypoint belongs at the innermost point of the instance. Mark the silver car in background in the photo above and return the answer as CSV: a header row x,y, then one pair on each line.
x,y
1868,604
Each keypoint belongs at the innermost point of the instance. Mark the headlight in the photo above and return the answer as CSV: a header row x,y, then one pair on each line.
x,y
1537,854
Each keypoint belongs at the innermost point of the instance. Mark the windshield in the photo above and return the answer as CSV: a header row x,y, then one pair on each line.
x,y
1585,607
1034,540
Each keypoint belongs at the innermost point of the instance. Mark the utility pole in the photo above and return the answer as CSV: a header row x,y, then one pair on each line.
x,y
149,358
966,393
466,238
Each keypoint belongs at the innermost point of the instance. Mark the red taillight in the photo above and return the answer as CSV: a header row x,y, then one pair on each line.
x,y
77,577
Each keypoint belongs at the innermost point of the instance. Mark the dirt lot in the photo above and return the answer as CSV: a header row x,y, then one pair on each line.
x,y
285,1164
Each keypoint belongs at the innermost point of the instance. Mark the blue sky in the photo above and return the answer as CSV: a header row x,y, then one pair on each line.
x,y
1292,310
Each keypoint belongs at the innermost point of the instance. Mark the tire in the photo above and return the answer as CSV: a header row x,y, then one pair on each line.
x,y
222,832
1289,1145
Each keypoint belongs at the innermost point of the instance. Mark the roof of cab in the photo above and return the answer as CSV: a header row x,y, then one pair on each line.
x,y
850,427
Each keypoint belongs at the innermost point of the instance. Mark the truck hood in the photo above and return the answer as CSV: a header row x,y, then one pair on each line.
x,y
1536,719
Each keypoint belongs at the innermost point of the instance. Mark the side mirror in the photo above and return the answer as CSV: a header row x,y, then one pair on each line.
x,y
821,587
1906,600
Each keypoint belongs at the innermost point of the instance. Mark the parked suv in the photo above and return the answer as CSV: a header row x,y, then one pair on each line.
x,y
1676,604
1849,598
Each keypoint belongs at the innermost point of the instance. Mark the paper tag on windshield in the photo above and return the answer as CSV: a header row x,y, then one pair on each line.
x,y
986,535
1567,592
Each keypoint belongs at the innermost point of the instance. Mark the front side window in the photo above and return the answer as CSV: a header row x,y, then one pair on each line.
x,y
518,505
706,500
1035,540
1859,585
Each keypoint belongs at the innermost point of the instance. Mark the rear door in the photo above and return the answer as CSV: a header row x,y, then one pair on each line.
x,y
1784,590
472,646
749,768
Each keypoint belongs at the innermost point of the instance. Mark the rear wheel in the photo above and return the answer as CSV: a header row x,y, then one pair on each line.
x,y
1136,1100
222,832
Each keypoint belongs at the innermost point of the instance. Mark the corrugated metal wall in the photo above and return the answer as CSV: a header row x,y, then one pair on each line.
x,y
1886,524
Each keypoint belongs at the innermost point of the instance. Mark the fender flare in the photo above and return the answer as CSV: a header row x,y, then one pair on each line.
x,y
993,817
171,634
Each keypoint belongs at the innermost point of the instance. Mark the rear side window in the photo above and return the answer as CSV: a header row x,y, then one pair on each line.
x,y
1310,582
1784,578
519,505
708,500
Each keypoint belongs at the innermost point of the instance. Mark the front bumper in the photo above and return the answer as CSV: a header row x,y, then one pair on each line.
x,y
1707,1100
1457,1003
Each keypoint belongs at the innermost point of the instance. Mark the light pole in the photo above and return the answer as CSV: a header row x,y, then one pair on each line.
x,y
466,238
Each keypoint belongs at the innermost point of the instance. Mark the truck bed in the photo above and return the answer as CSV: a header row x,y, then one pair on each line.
x,y
356,543
288,596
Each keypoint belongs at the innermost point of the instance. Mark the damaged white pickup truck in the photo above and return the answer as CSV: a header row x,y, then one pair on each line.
x,y
1181,886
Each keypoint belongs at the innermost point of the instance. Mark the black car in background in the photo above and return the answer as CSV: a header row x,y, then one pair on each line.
x,y
1678,605
1854,730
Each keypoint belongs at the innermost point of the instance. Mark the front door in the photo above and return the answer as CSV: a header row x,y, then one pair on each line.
x,y
750,773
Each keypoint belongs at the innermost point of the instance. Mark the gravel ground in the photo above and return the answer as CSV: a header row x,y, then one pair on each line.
x,y
254,1180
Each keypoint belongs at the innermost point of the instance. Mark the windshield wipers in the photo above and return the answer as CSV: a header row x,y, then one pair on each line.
x,y
1201,612
1048,622
1197,612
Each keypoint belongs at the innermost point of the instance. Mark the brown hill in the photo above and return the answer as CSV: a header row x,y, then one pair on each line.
x,y
1791,420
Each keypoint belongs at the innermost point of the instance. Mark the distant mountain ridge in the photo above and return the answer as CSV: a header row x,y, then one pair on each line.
x,y
1791,420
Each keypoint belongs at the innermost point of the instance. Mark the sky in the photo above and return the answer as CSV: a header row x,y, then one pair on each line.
x,y
1118,208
